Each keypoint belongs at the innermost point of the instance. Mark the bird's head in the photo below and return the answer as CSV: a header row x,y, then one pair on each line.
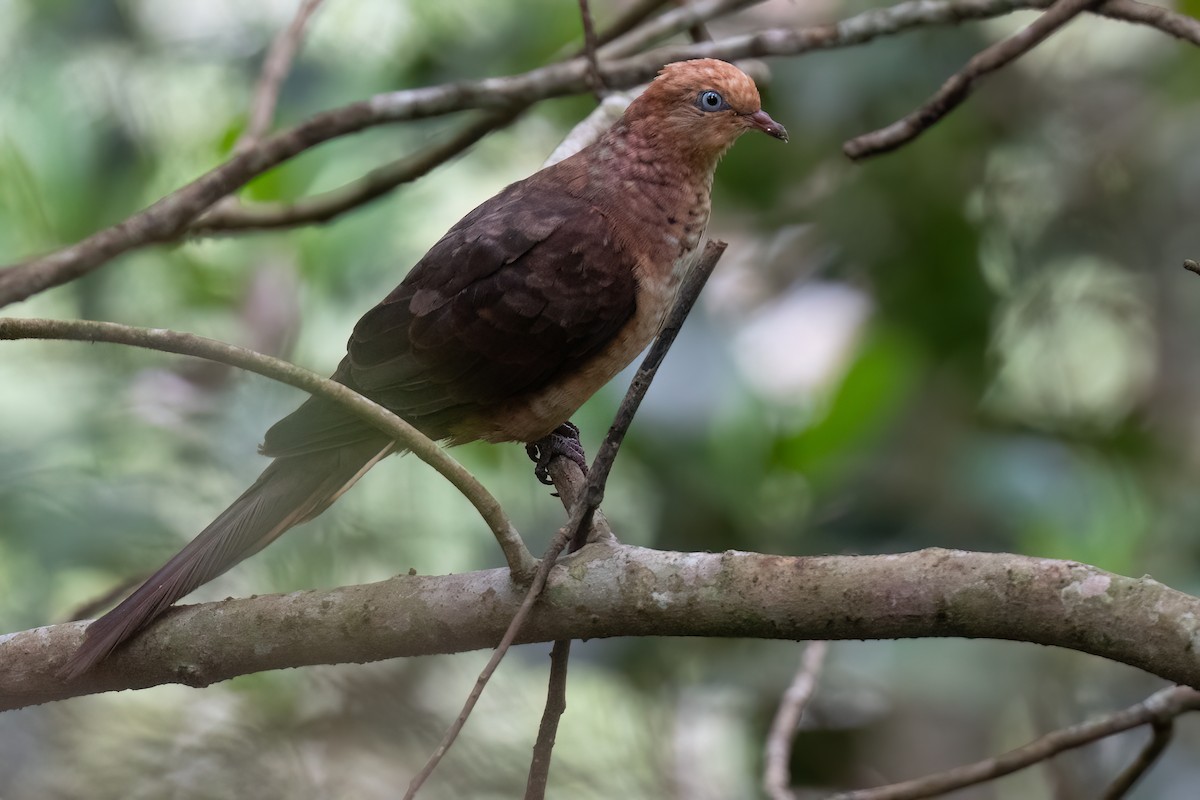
x,y
699,108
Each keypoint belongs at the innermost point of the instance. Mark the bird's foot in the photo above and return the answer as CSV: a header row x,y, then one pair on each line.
x,y
564,441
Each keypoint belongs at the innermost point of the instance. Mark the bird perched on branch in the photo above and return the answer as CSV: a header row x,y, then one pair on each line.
x,y
521,312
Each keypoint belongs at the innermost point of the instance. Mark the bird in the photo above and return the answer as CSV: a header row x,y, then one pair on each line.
x,y
516,316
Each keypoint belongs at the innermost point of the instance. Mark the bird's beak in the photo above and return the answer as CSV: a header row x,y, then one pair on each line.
x,y
763,122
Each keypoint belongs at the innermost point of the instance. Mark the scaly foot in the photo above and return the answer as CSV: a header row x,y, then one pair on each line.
x,y
564,441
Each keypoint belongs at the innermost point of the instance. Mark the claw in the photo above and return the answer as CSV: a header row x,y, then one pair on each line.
x,y
563,441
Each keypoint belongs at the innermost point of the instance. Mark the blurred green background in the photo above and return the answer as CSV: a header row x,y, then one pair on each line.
x,y
984,340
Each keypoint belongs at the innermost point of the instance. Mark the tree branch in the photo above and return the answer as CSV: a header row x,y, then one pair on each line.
x,y
958,87
276,66
324,207
168,219
556,705
1162,731
678,20
605,591
776,775
1181,26
518,557
589,50
632,16
1157,709
511,631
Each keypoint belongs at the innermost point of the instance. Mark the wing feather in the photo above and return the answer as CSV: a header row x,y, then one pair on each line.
x,y
524,289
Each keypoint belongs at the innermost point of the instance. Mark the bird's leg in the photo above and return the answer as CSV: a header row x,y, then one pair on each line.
x,y
563,441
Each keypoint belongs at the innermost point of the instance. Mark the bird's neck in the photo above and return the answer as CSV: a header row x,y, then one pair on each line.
x,y
657,154
660,191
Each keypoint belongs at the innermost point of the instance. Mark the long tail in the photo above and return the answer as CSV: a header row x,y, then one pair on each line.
x,y
291,490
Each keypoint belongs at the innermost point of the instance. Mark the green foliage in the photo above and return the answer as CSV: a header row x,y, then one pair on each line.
x,y
862,409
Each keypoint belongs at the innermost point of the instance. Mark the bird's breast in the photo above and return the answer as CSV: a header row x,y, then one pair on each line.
x,y
535,414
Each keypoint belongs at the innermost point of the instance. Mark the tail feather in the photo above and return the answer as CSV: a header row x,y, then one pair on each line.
x,y
290,491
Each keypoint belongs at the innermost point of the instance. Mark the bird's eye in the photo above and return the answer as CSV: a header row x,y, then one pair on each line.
x,y
711,101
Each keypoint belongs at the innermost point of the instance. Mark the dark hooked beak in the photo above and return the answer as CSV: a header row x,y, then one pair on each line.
x,y
762,120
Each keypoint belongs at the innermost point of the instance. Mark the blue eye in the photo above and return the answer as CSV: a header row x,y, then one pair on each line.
x,y
711,101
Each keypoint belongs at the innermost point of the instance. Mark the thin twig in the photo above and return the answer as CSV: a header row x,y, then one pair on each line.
x,y
776,774
518,557
630,18
556,704
1182,26
688,292
569,481
699,31
958,87
1161,733
275,68
575,531
595,81
557,543
276,65
1159,707
378,182
677,20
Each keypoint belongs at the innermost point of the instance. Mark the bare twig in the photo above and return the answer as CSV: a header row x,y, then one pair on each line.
x,y
776,775
1160,738
873,24
556,704
630,17
677,20
598,473
699,31
329,205
1181,26
578,524
569,482
958,87
595,81
557,543
168,219
518,557
1158,708
275,69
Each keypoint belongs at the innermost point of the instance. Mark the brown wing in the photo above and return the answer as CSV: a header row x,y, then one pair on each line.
x,y
523,289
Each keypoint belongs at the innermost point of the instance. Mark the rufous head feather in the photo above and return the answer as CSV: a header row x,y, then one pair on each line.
x,y
700,108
